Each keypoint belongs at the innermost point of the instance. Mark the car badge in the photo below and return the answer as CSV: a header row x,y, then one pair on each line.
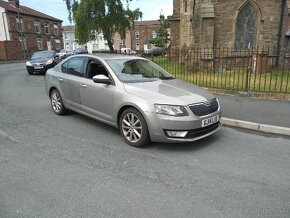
x,y
207,103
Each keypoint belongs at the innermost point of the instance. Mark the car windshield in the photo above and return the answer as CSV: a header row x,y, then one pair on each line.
x,y
43,54
62,51
137,70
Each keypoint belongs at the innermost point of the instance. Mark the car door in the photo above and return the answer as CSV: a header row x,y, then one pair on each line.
x,y
70,82
97,99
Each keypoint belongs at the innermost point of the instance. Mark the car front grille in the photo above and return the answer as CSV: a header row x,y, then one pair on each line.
x,y
38,64
202,109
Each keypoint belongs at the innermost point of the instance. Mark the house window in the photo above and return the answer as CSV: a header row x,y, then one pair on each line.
x,y
23,43
154,34
137,46
20,26
65,36
93,35
57,44
246,27
55,29
46,28
37,26
39,44
137,35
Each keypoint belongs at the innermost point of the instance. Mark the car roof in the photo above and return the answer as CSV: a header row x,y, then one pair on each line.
x,y
44,51
106,56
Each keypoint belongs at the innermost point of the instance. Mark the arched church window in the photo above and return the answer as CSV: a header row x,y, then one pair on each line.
x,y
246,25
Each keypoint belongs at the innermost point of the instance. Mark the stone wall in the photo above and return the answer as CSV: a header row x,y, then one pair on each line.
x,y
212,23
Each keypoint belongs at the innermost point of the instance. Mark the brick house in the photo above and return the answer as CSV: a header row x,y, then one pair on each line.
x,y
142,33
238,24
31,31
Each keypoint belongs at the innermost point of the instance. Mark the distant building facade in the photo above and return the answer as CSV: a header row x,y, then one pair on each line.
x,y
97,43
24,31
142,33
122,43
238,24
69,38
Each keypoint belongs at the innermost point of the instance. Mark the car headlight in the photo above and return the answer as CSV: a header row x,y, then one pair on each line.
x,y
28,64
170,110
49,61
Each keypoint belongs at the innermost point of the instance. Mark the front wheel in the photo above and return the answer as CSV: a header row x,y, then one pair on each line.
x,y
133,128
56,103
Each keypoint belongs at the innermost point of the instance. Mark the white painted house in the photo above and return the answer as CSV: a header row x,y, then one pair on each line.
x,y
97,43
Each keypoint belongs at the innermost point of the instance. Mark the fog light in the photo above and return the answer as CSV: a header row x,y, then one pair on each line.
x,y
179,134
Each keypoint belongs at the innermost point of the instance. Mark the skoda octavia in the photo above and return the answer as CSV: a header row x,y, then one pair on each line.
x,y
135,95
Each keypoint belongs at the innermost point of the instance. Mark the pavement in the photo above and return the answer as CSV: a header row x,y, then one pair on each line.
x,y
261,115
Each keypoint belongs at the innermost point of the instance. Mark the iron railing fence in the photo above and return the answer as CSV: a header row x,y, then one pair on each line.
x,y
252,70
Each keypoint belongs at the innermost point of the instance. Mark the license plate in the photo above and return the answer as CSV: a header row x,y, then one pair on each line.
x,y
209,121
38,67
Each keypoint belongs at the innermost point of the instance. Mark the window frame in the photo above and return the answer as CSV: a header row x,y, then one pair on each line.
x,y
137,35
37,25
19,24
39,42
46,28
24,42
55,29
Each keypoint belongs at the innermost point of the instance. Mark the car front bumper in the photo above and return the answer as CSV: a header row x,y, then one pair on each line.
x,y
190,127
40,68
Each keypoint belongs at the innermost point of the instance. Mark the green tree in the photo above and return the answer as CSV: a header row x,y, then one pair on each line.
x,y
132,16
103,16
162,35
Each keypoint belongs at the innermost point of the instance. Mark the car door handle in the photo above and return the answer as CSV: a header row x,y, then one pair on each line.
x,y
83,85
60,79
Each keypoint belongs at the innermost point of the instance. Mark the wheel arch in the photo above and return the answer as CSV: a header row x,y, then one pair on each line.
x,y
50,90
126,106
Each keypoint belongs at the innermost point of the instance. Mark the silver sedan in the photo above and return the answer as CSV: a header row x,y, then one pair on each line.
x,y
135,95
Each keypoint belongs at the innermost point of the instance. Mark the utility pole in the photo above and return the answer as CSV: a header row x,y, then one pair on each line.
x,y
20,27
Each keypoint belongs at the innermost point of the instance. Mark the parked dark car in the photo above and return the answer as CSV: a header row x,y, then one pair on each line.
x,y
80,51
41,61
157,51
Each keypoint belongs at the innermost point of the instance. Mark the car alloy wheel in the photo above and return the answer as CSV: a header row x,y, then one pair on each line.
x,y
134,128
56,103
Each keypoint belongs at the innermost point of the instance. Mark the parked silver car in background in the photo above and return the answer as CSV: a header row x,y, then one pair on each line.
x,y
135,95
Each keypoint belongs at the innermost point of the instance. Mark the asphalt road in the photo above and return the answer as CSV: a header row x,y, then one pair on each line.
x,y
72,166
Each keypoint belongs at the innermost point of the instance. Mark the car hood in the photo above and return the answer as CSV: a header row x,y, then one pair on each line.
x,y
39,60
169,92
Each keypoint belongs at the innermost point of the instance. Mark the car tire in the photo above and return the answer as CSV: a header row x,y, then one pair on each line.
x,y
57,103
133,128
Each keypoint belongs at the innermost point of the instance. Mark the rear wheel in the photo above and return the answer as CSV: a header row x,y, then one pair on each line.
x,y
133,128
56,103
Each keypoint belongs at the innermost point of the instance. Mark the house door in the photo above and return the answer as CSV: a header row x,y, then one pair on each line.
x,y
48,45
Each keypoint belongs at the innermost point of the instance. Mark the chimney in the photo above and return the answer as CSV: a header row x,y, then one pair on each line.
x,y
14,2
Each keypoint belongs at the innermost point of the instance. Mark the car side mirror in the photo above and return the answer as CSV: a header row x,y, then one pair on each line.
x,y
101,78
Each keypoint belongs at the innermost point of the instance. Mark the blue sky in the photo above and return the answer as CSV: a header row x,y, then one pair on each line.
x,y
57,8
